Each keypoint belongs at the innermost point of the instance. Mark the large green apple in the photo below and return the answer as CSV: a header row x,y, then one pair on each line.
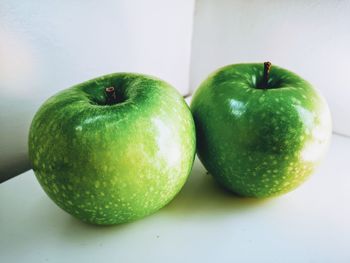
x,y
113,149
261,130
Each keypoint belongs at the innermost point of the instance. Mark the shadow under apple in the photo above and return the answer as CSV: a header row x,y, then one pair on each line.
x,y
202,194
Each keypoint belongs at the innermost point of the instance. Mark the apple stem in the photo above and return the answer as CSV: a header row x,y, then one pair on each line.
x,y
267,68
111,96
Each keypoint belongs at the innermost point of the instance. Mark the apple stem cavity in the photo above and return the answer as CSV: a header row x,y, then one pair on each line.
x,y
267,68
111,96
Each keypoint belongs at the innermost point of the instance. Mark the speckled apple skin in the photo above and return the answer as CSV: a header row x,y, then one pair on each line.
x,y
256,142
110,164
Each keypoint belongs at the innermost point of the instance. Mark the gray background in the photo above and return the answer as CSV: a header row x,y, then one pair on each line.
x,y
47,46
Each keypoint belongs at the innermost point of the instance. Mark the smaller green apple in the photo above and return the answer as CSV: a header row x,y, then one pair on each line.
x,y
261,131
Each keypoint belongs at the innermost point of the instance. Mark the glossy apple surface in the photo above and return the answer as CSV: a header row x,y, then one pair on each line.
x,y
109,164
260,141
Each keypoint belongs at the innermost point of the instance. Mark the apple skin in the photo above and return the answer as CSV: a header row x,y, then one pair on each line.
x,y
259,142
110,164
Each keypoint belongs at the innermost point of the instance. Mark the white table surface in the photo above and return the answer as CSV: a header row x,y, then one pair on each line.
x,y
202,224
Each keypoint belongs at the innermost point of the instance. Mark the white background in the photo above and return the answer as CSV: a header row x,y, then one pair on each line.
x,y
202,224
311,38
49,46
46,46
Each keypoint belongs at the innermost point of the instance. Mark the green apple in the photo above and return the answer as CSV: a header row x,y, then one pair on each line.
x,y
113,149
261,130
